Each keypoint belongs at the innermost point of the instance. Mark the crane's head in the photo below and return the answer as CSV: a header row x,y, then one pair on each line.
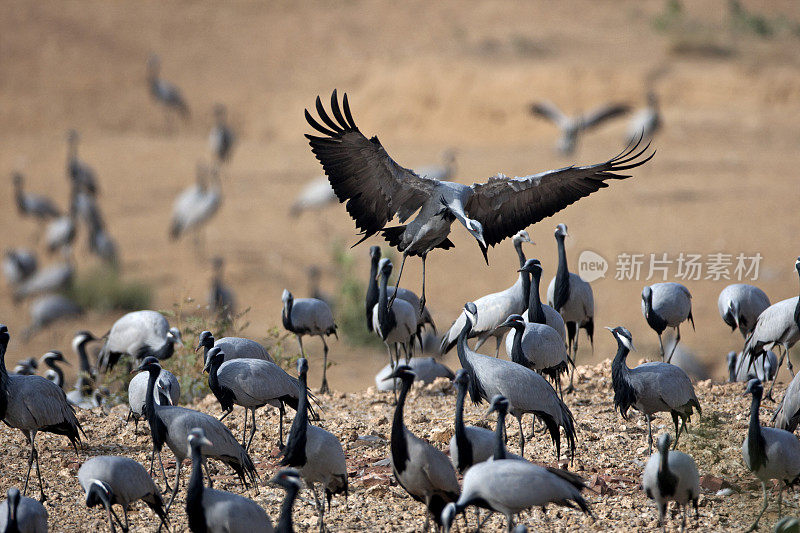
x,y
384,268
475,229
99,493
754,387
471,310
4,336
302,366
174,335
375,252
404,373
797,265
663,443
81,338
462,378
561,231
532,266
197,438
214,358
206,340
288,478
150,364
623,337
52,356
647,296
499,403
13,501
520,237
733,309
448,516
513,321
287,297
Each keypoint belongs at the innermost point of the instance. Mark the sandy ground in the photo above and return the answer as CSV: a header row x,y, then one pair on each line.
x,y
610,455
424,78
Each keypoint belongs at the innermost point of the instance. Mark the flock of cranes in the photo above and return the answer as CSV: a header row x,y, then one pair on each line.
x,y
541,346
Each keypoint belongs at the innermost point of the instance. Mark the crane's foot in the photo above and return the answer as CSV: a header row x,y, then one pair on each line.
x,y
570,389
324,389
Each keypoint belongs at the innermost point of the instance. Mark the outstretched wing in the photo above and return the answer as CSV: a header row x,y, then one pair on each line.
x,y
361,173
549,111
506,205
604,113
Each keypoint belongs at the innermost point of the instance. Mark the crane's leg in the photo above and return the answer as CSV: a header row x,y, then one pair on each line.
x,y
427,514
397,283
677,428
178,465
223,417
674,344
208,473
324,389
649,435
252,429
509,522
111,519
244,430
662,510
774,379
661,344
282,410
683,518
754,526
522,436
164,473
780,499
788,359
125,514
572,351
300,342
497,347
422,298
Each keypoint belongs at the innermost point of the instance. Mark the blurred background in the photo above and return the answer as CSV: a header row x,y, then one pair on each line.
x,y
429,78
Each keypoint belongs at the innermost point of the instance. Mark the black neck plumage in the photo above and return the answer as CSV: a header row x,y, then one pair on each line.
x,y
561,293
194,493
399,443
295,452
624,394
463,358
372,291
756,445
462,442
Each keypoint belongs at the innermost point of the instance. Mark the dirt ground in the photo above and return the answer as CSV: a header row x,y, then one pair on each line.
x,y
610,454
424,77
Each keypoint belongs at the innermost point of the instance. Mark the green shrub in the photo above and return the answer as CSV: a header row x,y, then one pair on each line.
x,y
102,289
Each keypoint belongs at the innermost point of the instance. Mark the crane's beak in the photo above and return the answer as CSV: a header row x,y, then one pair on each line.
x,y
207,366
205,442
66,362
198,348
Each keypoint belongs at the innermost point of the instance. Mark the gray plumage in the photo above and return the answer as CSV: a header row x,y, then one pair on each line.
x,y
376,189
650,387
527,391
164,92
317,454
573,127
539,348
171,425
787,416
509,486
573,298
777,325
763,369
31,204
102,244
309,316
395,323
221,139
233,347
493,309
18,265
60,233
47,309
470,445
422,470
688,361
138,334
221,300
26,367
645,122
195,206
740,304
30,516
217,511
427,369
251,383
81,175
769,453
667,305
315,195
51,278
671,476
127,480
167,392
32,404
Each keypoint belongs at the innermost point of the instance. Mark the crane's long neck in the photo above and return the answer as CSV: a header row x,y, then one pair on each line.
x,y
286,316
462,442
520,253
59,373
149,400
624,393
399,444
12,524
194,492
535,311
562,276
83,359
385,316
499,445
372,290
3,380
213,380
285,519
756,446
666,480
516,347
797,307
464,358
295,452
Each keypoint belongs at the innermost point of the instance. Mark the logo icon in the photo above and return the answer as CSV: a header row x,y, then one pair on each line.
x,y
591,266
